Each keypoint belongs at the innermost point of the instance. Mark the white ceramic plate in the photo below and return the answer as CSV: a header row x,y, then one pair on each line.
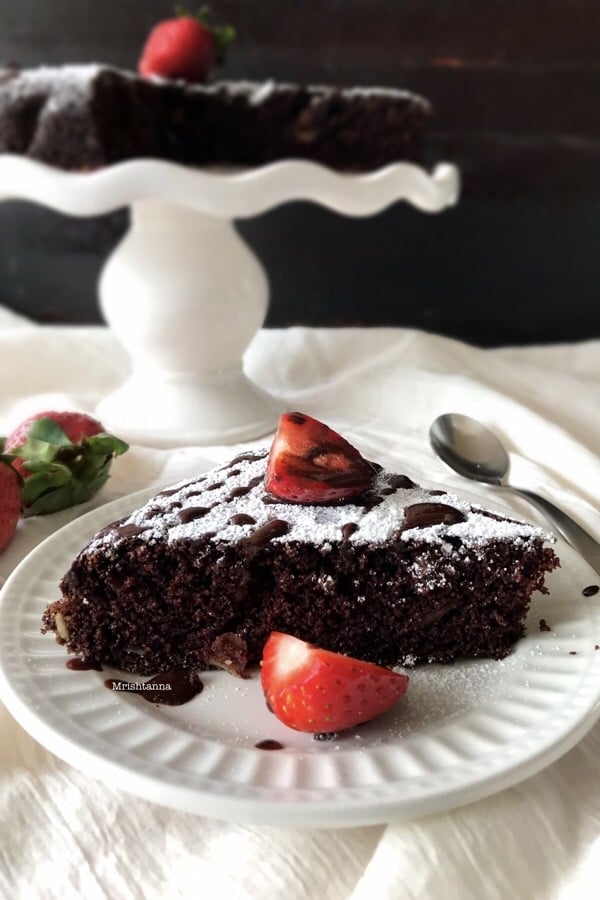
x,y
462,732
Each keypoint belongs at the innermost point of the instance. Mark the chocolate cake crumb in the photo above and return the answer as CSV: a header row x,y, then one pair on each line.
x,y
544,625
230,652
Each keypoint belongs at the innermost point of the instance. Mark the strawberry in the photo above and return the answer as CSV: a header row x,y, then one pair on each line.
x,y
63,458
311,463
315,690
74,424
184,47
10,504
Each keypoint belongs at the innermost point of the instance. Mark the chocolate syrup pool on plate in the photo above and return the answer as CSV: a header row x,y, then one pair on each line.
x,y
166,688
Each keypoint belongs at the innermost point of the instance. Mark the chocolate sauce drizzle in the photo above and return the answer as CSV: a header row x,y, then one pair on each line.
x,y
401,481
76,664
244,489
242,519
272,529
250,457
268,500
123,531
348,529
153,511
590,590
371,499
175,490
175,688
424,515
192,512
269,744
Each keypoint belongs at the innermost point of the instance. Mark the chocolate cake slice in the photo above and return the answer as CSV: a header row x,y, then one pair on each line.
x,y
203,572
82,117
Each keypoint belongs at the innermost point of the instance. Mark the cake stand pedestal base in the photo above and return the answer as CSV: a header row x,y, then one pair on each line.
x,y
189,411
185,296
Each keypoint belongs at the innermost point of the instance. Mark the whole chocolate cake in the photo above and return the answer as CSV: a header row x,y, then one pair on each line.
x,y
206,570
81,117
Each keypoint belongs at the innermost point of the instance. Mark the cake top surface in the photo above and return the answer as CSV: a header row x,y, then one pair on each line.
x,y
67,82
229,504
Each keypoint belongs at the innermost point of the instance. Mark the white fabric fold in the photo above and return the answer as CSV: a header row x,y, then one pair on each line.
x,y
65,835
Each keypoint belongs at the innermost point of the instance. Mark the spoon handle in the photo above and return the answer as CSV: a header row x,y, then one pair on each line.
x,y
573,533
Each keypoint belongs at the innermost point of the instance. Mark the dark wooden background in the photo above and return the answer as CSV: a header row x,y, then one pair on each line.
x,y
516,87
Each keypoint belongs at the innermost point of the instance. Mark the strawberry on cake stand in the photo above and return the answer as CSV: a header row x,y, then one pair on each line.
x,y
184,294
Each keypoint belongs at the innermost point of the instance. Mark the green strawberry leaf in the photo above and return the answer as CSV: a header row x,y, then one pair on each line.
x,y
44,438
48,431
66,474
48,479
222,35
34,449
44,466
69,494
107,443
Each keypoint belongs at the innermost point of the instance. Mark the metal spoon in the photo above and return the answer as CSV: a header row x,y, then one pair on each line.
x,y
475,452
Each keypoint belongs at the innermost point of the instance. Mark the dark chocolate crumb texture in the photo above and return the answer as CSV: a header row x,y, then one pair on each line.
x,y
82,117
206,570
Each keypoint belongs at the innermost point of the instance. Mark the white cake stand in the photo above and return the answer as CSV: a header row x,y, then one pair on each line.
x,y
184,294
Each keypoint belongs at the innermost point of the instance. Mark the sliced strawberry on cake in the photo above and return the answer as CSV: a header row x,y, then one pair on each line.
x,y
311,463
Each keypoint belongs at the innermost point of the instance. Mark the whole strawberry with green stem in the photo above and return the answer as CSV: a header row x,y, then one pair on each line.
x,y
63,459
185,46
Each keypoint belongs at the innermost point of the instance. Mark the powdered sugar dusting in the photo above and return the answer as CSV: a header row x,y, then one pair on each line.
x,y
258,92
64,85
206,506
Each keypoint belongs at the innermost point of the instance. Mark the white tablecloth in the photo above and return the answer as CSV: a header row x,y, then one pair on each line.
x,y
65,835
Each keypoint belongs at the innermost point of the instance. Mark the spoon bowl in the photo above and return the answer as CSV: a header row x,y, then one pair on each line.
x,y
469,448
472,450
